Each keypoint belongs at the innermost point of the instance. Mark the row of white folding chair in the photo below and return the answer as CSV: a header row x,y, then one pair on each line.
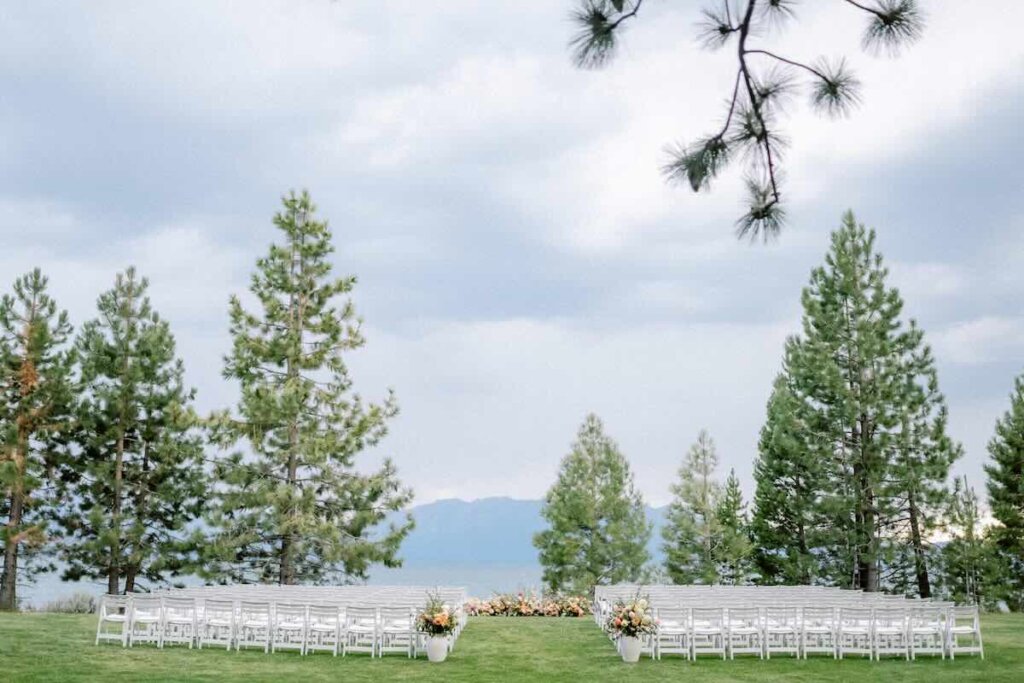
x,y
833,630
270,626
146,620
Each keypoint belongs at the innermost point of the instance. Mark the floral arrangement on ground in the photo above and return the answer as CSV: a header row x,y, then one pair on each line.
x,y
631,619
436,619
528,605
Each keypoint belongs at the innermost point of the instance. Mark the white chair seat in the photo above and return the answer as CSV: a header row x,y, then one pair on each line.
x,y
327,628
962,629
888,629
927,629
179,620
114,617
254,623
743,630
147,618
855,629
218,622
707,630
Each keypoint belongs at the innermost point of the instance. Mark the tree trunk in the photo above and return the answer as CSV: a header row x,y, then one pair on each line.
x,y
129,579
9,582
924,587
114,569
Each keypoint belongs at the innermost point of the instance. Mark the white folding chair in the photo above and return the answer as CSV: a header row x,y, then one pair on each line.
x,y
890,632
179,621
114,610
145,621
744,634
360,630
217,623
397,631
927,631
781,631
289,630
707,631
253,626
818,631
323,630
964,623
854,634
673,635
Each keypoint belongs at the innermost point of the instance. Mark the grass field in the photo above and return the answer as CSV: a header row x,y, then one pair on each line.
x,y
54,647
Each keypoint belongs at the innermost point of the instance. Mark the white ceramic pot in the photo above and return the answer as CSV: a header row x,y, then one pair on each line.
x,y
630,648
437,648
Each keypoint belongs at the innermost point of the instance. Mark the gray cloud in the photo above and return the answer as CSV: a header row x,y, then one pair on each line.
x,y
520,260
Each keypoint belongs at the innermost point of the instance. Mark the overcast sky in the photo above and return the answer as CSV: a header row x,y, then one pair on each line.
x,y
521,262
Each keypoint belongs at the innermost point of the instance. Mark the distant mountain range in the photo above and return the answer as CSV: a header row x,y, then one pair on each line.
x,y
485,532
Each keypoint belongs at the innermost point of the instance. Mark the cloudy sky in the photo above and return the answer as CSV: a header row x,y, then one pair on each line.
x,y
520,260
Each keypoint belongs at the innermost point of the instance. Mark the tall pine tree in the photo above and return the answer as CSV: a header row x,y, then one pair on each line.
x,y
734,549
36,396
966,556
138,474
873,416
1006,497
294,508
597,527
787,520
691,533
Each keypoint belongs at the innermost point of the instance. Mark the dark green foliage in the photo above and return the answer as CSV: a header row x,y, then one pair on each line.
x,y
787,524
597,528
734,548
865,409
137,475
36,395
293,507
1006,497
692,532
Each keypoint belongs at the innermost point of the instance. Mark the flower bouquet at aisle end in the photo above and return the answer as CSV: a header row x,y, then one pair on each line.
x,y
437,621
631,622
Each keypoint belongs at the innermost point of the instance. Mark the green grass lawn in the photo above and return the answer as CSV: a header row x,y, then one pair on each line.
x,y
54,647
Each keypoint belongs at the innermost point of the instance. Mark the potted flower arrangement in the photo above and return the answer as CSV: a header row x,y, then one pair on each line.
x,y
437,621
630,622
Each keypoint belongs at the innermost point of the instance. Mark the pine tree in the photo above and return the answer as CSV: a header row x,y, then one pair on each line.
x,y
874,417
734,549
787,520
36,395
597,527
138,477
691,533
965,557
1006,496
295,508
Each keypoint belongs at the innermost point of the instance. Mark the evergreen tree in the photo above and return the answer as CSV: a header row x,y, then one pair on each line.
x,y
597,527
787,519
965,557
873,415
1006,496
36,395
138,477
295,508
691,533
734,548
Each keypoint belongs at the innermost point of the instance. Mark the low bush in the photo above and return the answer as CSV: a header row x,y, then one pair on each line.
x,y
76,603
